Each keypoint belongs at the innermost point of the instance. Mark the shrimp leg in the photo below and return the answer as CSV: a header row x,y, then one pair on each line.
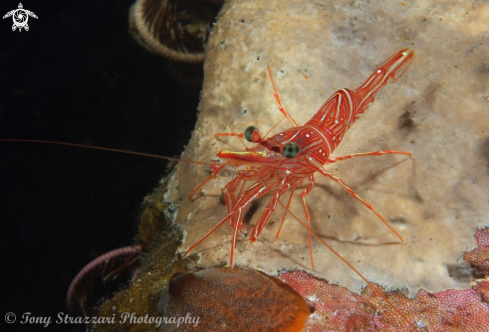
x,y
364,154
285,214
354,194
210,177
303,197
280,190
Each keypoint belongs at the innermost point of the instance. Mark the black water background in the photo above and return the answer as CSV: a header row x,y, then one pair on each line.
x,y
76,76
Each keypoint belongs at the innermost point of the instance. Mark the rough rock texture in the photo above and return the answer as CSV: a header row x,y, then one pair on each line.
x,y
338,309
437,111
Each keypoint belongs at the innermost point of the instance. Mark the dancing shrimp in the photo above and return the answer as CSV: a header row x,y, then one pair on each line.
x,y
284,161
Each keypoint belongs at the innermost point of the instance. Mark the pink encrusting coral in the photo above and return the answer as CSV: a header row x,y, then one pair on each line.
x,y
479,257
338,309
335,307
483,287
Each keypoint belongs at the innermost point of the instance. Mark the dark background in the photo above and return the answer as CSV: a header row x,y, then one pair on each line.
x,y
77,76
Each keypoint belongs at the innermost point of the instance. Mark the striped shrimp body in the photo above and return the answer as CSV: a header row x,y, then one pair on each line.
x,y
284,161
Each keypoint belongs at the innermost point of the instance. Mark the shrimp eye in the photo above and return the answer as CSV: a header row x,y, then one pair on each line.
x,y
290,150
252,134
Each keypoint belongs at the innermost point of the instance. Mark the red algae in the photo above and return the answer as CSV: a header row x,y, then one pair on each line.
x,y
225,299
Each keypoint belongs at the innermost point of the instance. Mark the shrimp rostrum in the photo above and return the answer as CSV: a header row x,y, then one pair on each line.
x,y
286,160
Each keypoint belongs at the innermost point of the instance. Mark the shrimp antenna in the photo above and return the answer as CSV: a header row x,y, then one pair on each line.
x,y
274,126
114,150
277,98
234,133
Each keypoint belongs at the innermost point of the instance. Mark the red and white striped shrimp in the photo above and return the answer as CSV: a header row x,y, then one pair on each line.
x,y
284,161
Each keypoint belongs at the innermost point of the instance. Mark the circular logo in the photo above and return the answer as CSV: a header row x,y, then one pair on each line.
x,y
20,17
10,317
